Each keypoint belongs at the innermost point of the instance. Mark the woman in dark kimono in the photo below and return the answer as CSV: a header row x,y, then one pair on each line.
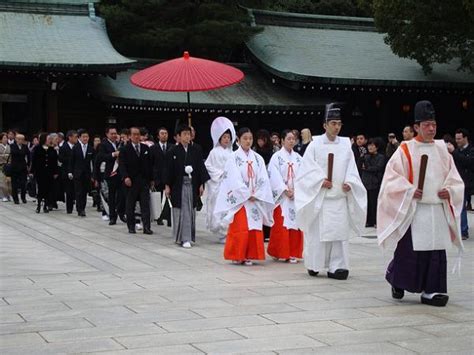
x,y
44,167
373,166
58,194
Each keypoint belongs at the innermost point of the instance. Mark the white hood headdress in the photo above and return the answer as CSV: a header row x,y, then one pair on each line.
x,y
219,126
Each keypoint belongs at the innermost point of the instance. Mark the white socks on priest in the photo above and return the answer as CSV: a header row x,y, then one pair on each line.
x,y
430,295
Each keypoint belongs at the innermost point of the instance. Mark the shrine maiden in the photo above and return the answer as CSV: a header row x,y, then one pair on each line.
x,y
421,221
244,202
223,136
329,209
286,240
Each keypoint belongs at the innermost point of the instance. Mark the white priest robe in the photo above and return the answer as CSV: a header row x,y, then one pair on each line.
x,y
282,171
329,217
245,176
435,223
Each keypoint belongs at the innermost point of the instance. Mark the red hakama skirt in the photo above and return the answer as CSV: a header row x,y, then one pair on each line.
x,y
242,243
284,243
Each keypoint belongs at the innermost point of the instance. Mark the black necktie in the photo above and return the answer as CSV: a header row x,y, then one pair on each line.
x,y
137,148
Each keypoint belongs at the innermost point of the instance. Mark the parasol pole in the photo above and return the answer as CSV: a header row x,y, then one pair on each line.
x,y
189,108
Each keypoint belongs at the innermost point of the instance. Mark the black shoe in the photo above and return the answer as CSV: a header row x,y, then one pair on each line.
x,y
112,222
38,209
339,274
123,218
23,200
398,293
17,202
313,273
436,301
69,212
45,209
81,214
131,231
159,222
147,231
465,237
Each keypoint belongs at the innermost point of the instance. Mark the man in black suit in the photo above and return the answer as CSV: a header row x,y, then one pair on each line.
x,y
135,167
65,153
81,170
20,160
159,151
109,153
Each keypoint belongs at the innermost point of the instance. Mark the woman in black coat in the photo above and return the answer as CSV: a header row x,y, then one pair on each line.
x,y
44,167
373,167
264,145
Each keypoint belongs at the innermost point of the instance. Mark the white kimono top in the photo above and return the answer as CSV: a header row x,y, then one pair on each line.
x,y
282,170
330,214
435,223
245,176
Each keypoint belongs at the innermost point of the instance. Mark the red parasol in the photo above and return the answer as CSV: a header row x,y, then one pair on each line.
x,y
187,74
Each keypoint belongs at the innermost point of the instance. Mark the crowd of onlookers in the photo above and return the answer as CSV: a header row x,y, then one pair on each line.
x,y
54,167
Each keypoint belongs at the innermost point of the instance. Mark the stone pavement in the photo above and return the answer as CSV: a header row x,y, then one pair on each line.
x,y
72,285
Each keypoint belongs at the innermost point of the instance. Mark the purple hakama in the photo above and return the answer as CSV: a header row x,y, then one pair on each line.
x,y
417,271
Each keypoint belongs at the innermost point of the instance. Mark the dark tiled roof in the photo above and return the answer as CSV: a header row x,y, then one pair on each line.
x,y
255,92
58,41
339,50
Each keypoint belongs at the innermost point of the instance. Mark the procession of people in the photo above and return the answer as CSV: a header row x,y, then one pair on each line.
x,y
308,196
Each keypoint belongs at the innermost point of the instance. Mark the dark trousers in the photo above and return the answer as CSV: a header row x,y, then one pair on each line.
x,y
139,191
116,200
81,187
165,212
19,183
70,194
372,195
417,271
464,224
121,200
45,190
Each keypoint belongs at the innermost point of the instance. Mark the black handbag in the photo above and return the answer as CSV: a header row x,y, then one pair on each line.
x,y
7,168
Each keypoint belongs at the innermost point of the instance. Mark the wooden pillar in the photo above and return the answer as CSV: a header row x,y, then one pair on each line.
x,y
52,123
36,111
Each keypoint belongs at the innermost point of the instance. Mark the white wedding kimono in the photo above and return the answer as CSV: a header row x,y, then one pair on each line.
x,y
282,171
435,223
329,217
245,176
215,164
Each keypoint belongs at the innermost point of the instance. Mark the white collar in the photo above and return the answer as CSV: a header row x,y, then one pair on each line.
x,y
247,155
327,141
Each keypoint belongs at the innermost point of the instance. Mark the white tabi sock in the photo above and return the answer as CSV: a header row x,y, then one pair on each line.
x,y
430,295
